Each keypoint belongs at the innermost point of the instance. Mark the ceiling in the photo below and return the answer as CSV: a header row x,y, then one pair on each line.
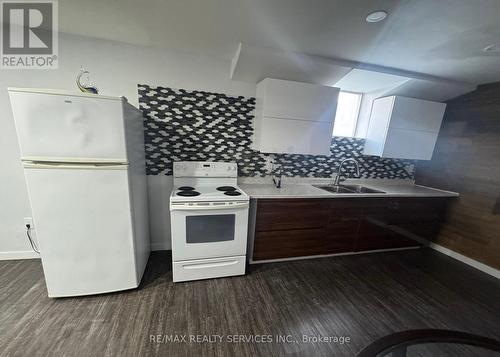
x,y
442,38
360,81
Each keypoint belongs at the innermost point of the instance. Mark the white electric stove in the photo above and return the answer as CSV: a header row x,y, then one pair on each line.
x,y
209,221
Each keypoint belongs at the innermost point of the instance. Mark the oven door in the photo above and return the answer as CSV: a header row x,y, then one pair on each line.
x,y
209,230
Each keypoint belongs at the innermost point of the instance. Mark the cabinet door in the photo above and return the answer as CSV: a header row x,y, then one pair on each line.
x,y
373,236
409,144
417,114
295,136
404,128
379,227
296,100
377,127
418,218
343,226
340,236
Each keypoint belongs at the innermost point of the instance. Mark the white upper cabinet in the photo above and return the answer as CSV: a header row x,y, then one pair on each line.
x,y
404,128
294,117
296,100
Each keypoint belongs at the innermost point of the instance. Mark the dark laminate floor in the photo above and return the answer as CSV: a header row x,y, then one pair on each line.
x,y
363,296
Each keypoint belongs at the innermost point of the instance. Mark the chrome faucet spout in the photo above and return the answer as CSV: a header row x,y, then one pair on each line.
x,y
339,173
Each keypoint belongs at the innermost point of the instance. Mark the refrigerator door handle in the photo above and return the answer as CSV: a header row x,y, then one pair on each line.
x,y
60,165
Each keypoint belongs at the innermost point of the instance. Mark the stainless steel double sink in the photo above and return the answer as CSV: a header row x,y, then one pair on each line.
x,y
348,189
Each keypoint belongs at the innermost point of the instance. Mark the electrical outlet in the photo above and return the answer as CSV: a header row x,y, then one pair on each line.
x,y
28,220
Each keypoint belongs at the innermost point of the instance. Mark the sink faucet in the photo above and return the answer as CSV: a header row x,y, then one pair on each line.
x,y
277,173
339,173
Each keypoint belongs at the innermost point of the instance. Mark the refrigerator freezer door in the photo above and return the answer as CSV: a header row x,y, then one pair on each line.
x,y
84,227
67,128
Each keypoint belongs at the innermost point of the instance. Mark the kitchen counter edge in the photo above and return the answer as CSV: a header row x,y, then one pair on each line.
x,y
266,191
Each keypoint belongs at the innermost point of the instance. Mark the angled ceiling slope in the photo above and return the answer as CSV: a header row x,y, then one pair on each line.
x,y
438,91
253,64
364,81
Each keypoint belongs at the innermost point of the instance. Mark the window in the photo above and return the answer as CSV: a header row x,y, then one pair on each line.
x,y
347,114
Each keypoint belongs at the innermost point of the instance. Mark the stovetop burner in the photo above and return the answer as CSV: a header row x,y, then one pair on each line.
x,y
186,188
188,193
232,193
226,188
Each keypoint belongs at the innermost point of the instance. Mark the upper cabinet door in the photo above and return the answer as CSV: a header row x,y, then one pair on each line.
x,y
294,118
284,136
409,144
300,101
378,126
404,128
417,114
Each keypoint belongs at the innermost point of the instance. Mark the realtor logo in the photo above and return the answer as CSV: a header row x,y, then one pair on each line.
x,y
29,34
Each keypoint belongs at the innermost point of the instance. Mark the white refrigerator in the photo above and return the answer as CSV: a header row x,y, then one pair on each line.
x,y
83,159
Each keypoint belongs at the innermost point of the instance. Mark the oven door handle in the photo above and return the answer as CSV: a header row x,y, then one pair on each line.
x,y
210,265
212,207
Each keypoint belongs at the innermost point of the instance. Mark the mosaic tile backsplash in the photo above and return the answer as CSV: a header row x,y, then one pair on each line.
x,y
189,125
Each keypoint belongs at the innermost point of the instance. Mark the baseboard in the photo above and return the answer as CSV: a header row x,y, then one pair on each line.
x,y
451,253
28,254
160,246
469,261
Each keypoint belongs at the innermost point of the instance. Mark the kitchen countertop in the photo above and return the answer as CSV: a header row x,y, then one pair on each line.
x,y
308,190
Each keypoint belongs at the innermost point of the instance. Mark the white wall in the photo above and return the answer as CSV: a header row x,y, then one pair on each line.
x,y
116,68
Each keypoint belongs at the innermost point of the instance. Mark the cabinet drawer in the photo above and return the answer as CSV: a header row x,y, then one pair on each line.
x,y
291,214
288,243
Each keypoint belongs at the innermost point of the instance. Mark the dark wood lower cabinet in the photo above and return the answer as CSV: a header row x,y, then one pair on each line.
x,y
339,237
399,222
307,227
289,243
375,235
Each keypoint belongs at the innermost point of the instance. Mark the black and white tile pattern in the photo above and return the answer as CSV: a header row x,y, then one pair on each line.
x,y
187,125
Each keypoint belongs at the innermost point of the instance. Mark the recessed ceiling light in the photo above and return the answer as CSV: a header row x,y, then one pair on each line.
x,y
376,16
492,48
